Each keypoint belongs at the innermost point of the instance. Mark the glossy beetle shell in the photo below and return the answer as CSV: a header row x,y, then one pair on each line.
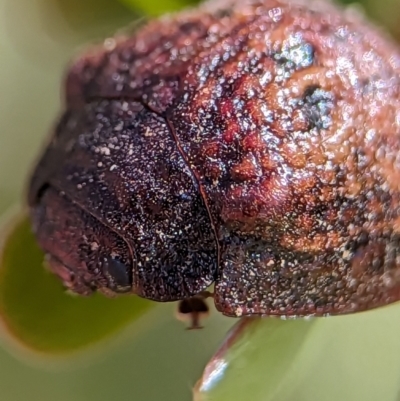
x,y
250,143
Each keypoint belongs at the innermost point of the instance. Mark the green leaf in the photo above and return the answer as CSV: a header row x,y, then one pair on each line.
x,y
155,7
40,315
253,360
354,357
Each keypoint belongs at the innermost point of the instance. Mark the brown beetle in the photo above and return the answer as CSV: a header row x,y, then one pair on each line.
x,y
250,143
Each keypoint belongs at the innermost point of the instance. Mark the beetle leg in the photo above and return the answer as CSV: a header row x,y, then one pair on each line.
x,y
194,309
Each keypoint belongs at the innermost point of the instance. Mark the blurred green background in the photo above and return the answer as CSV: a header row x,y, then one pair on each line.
x,y
350,358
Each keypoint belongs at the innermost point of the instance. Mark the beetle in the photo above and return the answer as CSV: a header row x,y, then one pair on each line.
x,y
253,144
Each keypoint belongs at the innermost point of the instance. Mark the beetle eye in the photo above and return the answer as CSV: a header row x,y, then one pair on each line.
x,y
117,274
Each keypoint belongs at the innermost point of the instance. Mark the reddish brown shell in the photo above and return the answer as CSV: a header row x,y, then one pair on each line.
x,y
286,117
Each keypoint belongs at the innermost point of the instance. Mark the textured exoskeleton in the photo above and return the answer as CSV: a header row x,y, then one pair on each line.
x,y
250,143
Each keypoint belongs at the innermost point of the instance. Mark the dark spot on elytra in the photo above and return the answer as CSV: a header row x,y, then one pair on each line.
x,y
190,26
318,104
223,13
